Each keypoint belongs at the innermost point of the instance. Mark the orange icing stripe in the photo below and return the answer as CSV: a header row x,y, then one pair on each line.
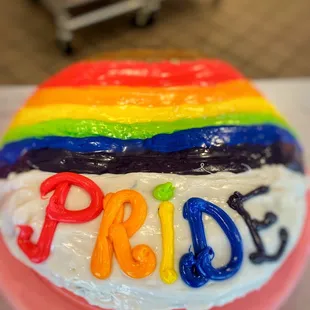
x,y
114,234
143,96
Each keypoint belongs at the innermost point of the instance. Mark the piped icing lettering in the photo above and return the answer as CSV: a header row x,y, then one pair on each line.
x,y
165,192
57,213
168,273
196,268
113,238
114,234
236,202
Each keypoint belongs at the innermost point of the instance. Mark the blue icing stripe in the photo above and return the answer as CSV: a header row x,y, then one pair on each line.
x,y
165,143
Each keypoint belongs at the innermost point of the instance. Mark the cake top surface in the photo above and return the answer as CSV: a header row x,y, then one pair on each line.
x,y
157,185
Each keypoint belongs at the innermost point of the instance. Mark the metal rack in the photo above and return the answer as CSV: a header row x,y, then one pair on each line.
x,y
67,24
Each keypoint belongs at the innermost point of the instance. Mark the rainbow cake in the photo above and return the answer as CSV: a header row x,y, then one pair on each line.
x,y
161,185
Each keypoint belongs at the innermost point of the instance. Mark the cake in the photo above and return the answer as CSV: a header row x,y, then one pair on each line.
x,y
164,185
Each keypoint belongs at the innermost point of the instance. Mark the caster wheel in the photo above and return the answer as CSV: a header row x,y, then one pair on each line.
x,y
143,20
66,47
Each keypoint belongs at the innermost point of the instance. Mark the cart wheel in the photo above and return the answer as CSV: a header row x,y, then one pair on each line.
x,y
66,47
142,20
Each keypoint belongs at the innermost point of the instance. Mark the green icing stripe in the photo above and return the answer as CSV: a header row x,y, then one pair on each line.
x,y
89,128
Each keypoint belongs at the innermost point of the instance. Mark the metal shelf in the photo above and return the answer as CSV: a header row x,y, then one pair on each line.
x,y
67,24
74,3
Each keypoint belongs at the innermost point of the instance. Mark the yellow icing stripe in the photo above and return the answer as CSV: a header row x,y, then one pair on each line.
x,y
136,114
167,271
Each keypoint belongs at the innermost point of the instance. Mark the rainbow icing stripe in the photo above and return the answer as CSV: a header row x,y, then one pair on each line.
x,y
119,117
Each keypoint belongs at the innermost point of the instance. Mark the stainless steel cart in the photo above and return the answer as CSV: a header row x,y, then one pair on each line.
x,y
66,24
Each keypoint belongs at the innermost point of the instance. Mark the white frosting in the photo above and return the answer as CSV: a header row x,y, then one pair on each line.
x,y
69,263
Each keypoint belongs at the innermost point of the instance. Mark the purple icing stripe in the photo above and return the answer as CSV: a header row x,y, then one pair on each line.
x,y
195,161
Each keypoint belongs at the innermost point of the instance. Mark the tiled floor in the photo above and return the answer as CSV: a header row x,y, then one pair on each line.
x,y
265,38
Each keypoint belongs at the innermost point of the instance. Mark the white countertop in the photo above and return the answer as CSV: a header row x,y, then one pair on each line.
x,y
291,96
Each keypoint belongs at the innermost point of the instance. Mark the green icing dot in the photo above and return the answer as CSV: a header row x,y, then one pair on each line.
x,y
164,192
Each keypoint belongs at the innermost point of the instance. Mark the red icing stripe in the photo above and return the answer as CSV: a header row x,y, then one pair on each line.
x,y
142,74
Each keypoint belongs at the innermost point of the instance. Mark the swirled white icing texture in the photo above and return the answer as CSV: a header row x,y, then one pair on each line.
x,y
69,263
